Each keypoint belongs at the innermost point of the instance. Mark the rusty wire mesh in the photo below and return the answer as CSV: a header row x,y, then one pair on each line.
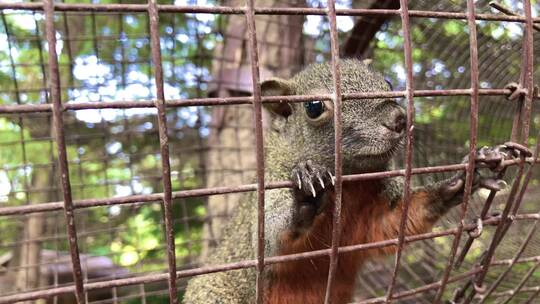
x,y
177,181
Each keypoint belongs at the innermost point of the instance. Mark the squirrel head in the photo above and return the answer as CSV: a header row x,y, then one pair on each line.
x,y
372,129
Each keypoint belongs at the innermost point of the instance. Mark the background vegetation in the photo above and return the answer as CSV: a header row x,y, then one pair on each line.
x,y
105,57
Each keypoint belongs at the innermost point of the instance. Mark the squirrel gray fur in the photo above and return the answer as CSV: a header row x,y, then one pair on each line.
x,y
300,148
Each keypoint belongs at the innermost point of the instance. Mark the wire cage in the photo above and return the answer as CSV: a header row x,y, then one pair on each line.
x,y
126,146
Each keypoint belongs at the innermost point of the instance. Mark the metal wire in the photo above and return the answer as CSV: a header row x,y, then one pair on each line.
x,y
473,120
58,122
337,98
475,276
164,148
257,121
407,53
272,260
224,10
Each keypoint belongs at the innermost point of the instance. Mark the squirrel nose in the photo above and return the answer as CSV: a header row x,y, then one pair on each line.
x,y
397,121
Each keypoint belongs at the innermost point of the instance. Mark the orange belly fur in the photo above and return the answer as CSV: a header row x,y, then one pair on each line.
x,y
366,217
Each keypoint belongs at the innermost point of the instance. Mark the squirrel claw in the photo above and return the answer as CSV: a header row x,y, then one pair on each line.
x,y
493,184
332,178
310,179
518,149
321,181
516,90
490,158
494,157
451,188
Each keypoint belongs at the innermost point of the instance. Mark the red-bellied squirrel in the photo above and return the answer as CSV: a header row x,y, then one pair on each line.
x,y
299,146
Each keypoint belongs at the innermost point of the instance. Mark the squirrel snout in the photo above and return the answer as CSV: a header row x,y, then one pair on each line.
x,y
397,121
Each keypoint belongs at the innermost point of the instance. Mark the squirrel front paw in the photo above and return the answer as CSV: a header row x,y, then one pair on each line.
x,y
486,157
311,181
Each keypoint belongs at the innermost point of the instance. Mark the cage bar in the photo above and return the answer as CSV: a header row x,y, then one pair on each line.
x,y
474,277
153,16
259,146
473,121
36,108
142,279
407,53
225,10
58,123
338,186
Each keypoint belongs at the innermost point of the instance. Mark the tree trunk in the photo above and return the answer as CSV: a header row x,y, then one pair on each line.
x,y
27,257
28,275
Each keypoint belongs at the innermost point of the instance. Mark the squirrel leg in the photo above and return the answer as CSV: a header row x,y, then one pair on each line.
x,y
450,192
311,183
429,203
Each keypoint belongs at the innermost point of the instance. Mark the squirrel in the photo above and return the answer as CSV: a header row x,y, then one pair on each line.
x,y
299,146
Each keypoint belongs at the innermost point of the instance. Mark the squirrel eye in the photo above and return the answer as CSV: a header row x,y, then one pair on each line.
x,y
314,109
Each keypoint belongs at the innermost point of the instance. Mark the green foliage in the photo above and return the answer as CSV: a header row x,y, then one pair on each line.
x,y
438,67
119,153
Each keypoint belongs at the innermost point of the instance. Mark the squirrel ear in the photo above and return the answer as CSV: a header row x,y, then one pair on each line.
x,y
277,87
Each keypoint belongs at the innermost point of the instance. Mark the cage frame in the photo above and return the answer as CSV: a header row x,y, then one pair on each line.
x,y
475,276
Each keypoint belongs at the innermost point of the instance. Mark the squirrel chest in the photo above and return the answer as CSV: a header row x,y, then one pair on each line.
x,y
300,147
366,217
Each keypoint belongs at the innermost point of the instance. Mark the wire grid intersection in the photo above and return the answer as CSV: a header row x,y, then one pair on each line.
x,y
474,277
